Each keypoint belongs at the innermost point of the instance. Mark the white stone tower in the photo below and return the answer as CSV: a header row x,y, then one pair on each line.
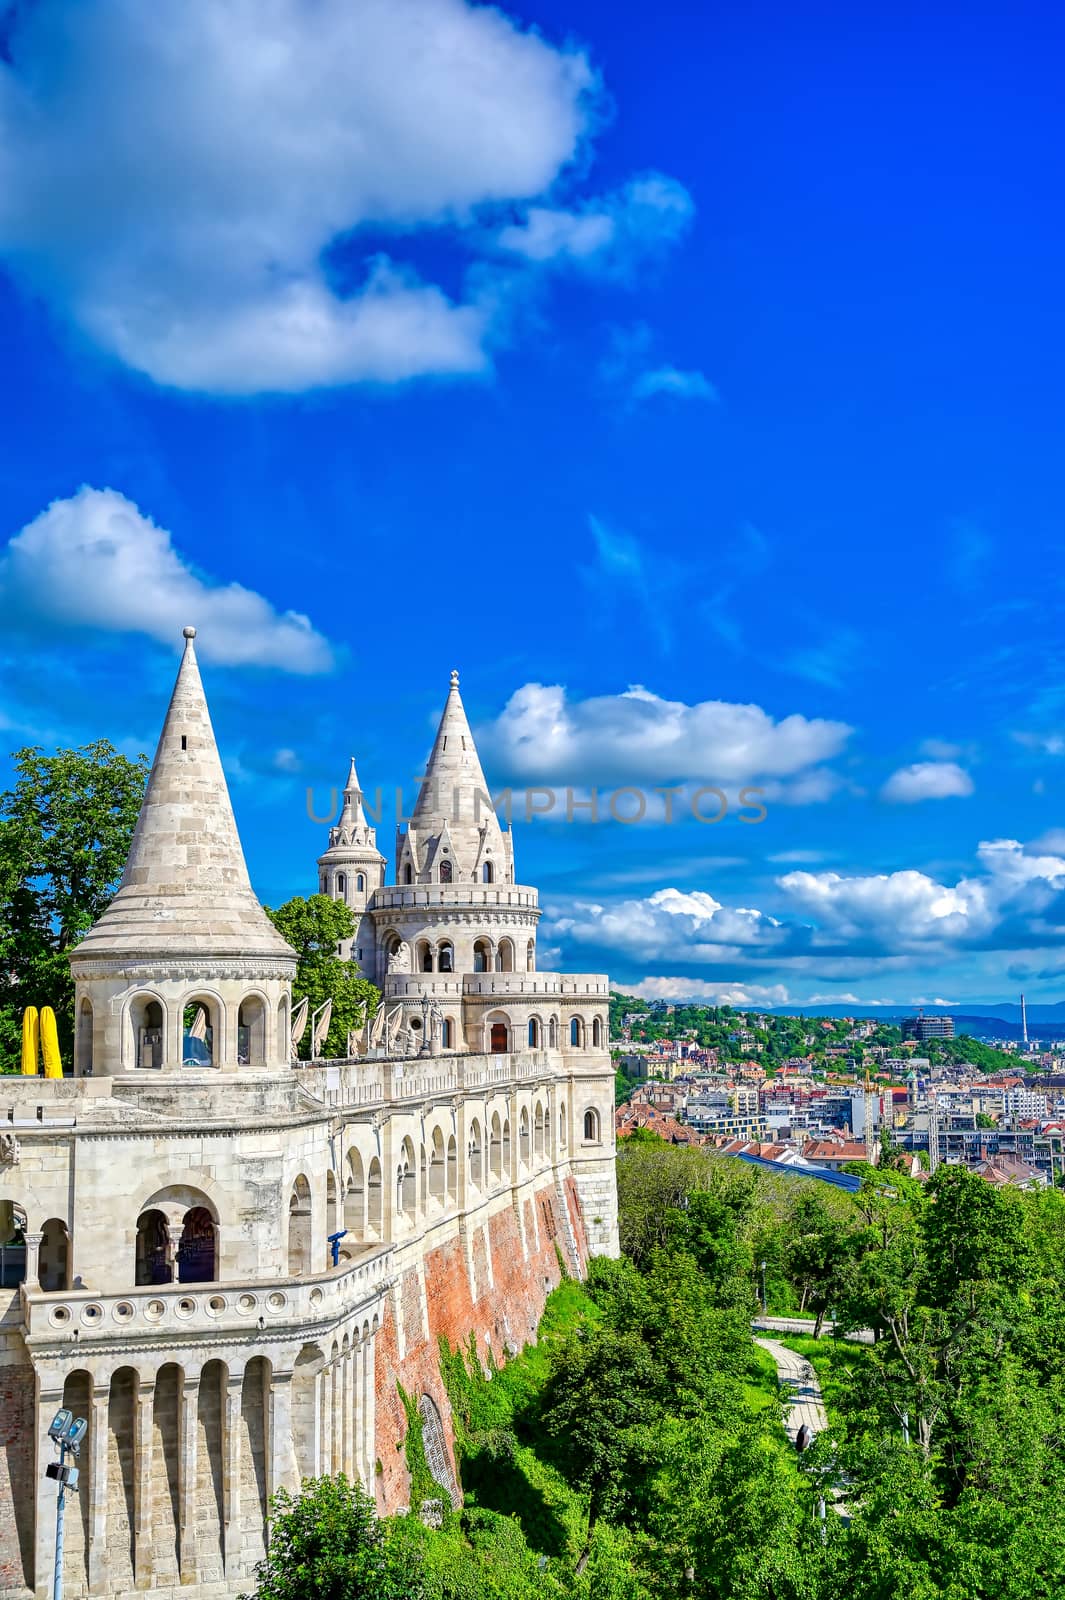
x,y
352,869
184,968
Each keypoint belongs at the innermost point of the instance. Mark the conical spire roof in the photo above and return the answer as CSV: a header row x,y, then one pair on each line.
x,y
455,787
352,834
454,806
185,889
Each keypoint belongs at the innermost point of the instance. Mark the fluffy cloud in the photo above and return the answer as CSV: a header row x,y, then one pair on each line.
x,y
175,176
927,780
712,994
614,232
832,927
689,925
637,736
95,560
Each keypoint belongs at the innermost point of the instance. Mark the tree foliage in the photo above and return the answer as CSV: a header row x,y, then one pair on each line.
x,y
315,927
65,831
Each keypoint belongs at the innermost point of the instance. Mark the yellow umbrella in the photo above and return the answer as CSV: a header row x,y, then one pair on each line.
x,y
53,1064
30,1036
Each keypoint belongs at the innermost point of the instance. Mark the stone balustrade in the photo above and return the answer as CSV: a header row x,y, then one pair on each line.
x,y
182,1311
375,1084
460,896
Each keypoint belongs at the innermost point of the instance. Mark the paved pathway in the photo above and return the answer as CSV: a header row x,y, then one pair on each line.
x,y
806,1325
800,1379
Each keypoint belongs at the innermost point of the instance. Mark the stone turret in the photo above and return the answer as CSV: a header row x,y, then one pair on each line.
x,y
454,835
351,869
184,968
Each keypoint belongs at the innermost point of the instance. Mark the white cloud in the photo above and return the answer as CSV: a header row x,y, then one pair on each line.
x,y
1048,744
673,922
692,385
613,232
715,994
638,736
898,906
286,760
95,560
927,780
173,178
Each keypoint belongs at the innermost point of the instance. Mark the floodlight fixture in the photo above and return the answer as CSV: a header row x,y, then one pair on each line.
x,y
60,1425
76,1432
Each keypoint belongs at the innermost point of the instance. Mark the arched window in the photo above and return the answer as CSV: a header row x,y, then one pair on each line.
x,y
445,871
597,1033
407,1182
425,956
523,1137
495,1149
342,884
474,1154
534,1033
552,1033
505,956
148,1021
591,1126
539,1125
299,1229
153,1249
374,1205
53,1257
437,1168
482,956
562,1124
575,1031
486,872
251,1032
446,957
355,1199
201,1037
197,1252
360,883
13,1230
530,957
408,875
447,1034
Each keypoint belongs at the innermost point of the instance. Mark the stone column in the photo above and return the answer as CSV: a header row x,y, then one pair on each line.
x,y
33,1261
142,1478
336,1396
99,1567
49,1401
280,1473
368,1413
349,1463
187,1451
231,1463
174,1231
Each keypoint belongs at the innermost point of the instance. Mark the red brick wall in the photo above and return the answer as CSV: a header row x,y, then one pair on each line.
x,y
17,1477
507,1308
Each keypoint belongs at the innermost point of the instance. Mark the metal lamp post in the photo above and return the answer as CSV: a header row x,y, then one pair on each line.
x,y
66,1432
765,1308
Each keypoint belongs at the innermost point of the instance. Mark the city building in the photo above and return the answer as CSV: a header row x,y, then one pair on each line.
x,y
921,1027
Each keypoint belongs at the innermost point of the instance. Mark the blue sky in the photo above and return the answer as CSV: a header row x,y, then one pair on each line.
x,y
716,355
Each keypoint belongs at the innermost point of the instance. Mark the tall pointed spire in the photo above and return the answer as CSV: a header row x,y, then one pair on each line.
x,y
186,884
453,814
455,787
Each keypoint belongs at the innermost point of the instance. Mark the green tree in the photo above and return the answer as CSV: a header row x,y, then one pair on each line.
x,y
65,831
595,1406
327,1544
816,1252
314,928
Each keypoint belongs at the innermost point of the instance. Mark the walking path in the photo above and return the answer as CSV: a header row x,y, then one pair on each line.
x,y
798,1376
806,1325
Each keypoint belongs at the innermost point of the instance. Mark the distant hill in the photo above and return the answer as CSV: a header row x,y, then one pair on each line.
x,y
1000,1020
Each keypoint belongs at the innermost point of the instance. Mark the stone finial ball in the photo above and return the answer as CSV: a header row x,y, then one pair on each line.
x,y
189,633
454,677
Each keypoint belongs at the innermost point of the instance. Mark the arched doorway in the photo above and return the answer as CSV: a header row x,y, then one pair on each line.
x,y
499,1038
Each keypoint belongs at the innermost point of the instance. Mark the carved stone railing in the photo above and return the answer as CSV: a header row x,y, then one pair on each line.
x,y
460,896
181,1311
